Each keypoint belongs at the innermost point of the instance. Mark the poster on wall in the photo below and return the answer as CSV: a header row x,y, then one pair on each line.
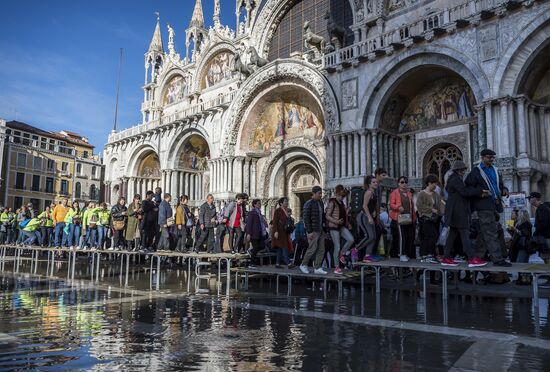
x,y
516,200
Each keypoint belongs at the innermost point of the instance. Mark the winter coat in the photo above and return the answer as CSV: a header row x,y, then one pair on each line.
x,y
150,215
165,212
133,223
254,225
475,180
333,214
313,220
395,204
457,208
116,212
230,214
206,213
280,218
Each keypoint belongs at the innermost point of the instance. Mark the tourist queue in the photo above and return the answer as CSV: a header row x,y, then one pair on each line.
x,y
449,223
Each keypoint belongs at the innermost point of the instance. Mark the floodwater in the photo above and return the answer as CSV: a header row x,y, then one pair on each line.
x,y
51,324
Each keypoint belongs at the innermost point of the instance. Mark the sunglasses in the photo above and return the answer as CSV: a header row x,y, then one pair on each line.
x,y
403,182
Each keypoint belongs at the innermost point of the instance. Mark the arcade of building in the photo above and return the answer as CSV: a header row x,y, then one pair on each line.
x,y
274,107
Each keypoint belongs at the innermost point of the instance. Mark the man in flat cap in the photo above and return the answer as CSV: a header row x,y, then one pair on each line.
x,y
485,176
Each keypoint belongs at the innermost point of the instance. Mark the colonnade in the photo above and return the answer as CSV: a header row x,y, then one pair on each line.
x,y
357,154
234,174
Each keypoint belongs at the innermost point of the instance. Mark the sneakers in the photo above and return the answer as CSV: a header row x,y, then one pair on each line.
x,y
448,262
304,269
354,255
429,259
320,271
342,259
476,262
372,258
403,258
502,263
459,259
338,271
251,266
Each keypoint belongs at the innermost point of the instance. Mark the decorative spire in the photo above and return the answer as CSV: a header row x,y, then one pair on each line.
x,y
156,42
217,11
198,16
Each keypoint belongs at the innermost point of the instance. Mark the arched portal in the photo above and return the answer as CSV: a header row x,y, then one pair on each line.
x,y
428,116
146,174
191,175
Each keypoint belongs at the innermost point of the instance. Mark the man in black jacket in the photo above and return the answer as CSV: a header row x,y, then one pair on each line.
x,y
149,223
486,177
457,215
314,221
207,222
542,220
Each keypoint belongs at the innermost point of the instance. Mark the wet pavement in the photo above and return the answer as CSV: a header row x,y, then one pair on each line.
x,y
51,324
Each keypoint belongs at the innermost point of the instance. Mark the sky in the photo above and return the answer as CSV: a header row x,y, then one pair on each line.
x,y
59,59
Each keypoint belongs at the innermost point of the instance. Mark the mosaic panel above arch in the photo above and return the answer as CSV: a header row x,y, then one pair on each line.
x,y
218,70
175,90
149,166
195,154
445,101
282,115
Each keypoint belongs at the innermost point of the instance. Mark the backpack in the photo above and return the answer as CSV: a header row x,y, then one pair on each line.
x,y
289,225
24,223
92,222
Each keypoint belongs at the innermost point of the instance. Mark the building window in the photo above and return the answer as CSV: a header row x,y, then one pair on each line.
x,y
20,181
93,193
37,163
35,183
36,204
79,169
77,190
22,160
94,169
85,155
64,166
49,184
17,202
64,187
51,165
51,145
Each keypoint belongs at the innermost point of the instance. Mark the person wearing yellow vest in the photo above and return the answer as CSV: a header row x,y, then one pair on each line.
x,y
31,232
89,225
46,227
4,222
104,222
73,224
58,216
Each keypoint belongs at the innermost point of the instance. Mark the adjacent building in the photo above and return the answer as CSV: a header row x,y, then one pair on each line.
x,y
308,92
42,167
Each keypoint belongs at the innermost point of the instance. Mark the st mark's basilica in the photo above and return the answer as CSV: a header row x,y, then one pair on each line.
x,y
322,92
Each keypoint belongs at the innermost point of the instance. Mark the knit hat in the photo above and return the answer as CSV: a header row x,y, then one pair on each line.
x,y
458,165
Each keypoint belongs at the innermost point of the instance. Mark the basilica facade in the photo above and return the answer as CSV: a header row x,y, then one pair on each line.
x,y
322,92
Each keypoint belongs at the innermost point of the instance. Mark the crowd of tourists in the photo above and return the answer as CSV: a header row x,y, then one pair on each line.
x,y
443,223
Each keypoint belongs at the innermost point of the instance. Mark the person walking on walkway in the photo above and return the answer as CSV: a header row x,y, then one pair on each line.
x,y
366,221
207,222
89,225
255,231
314,221
184,224
485,177
46,227
542,222
132,234
234,219
119,217
281,228
73,225
403,220
149,222
165,222
339,227
104,224
457,215
428,205
58,215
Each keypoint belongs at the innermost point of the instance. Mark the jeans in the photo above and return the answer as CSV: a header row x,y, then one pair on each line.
x,y
29,237
102,235
315,250
403,240
45,233
20,237
91,237
235,239
428,234
257,246
182,235
488,234
465,240
282,256
337,236
207,236
60,236
74,235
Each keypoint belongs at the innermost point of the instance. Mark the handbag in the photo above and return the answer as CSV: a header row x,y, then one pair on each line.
x,y
119,225
404,219
170,221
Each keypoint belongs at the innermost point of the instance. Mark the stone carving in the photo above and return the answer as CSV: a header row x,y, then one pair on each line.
x,y
425,145
349,94
488,42
313,40
336,32
171,35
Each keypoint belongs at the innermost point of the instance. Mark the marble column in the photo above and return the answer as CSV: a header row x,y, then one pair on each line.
x,y
253,190
489,126
174,189
338,157
522,128
532,132
374,149
402,157
364,158
508,178
525,180
344,155
368,154
246,175
330,157
481,131
543,134
231,163
391,155
504,142
356,152
547,131
351,150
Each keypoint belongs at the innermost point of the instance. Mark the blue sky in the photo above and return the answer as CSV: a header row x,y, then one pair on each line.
x,y
59,59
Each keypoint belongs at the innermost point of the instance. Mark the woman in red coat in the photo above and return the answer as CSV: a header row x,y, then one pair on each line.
x,y
280,237
403,218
